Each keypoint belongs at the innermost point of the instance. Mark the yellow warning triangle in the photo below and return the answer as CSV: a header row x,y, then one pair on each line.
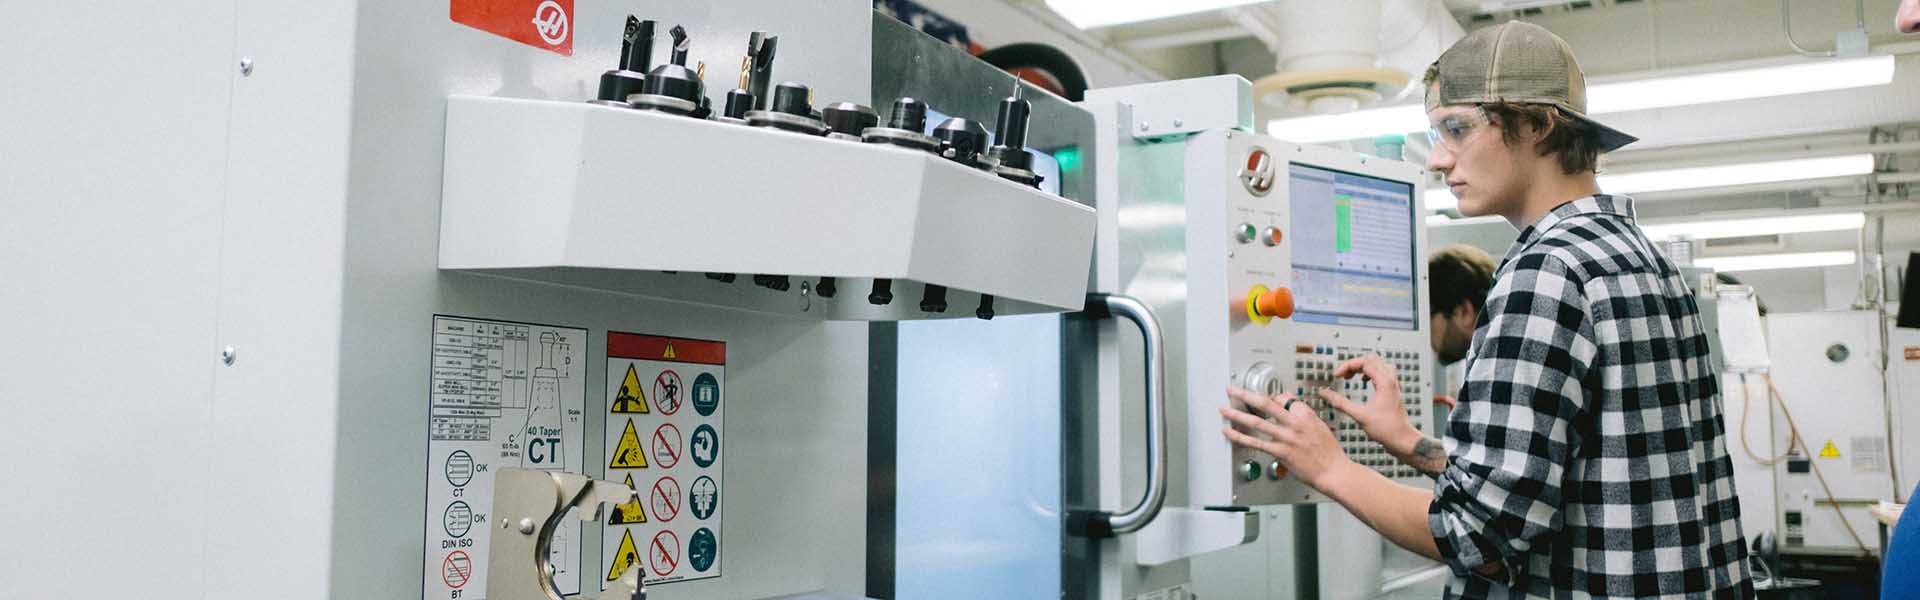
x,y
627,454
628,513
1829,451
669,352
624,558
631,400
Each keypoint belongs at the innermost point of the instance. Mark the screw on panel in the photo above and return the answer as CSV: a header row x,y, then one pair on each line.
x,y
246,66
526,526
1143,125
1176,123
228,354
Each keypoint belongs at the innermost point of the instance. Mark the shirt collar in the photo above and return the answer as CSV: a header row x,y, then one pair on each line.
x,y
1620,206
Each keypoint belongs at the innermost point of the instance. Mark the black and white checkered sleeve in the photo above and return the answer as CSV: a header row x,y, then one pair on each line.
x,y
1513,434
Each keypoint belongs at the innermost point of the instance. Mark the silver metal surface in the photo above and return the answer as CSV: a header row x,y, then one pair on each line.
x,y
517,567
1153,346
783,121
246,66
658,102
900,137
228,354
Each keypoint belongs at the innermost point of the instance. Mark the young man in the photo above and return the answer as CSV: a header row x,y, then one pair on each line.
x,y
1586,456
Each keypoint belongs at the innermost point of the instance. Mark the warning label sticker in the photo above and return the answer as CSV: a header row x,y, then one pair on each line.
x,y
502,394
668,452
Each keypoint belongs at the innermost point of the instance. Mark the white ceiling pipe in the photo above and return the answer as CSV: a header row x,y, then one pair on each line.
x,y
1413,33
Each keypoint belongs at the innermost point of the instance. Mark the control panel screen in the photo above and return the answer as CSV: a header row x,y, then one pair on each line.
x,y
1353,249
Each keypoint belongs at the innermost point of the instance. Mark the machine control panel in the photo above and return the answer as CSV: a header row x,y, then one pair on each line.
x,y
1324,262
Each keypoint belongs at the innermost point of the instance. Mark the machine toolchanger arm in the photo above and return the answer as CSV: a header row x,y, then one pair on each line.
x,y
1102,523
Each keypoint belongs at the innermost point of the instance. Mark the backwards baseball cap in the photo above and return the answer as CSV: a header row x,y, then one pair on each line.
x,y
1519,63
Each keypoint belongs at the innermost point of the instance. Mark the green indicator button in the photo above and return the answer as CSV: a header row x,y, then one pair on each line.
x,y
1251,470
1245,232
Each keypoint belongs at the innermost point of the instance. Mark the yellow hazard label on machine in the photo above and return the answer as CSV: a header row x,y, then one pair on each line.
x,y
631,399
1830,450
627,454
628,513
624,558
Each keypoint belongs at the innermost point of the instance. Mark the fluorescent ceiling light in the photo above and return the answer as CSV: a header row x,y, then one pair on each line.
x,y
1088,14
1701,230
1741,174
1762,262
1773,171
1622,96
1741,84
1351,125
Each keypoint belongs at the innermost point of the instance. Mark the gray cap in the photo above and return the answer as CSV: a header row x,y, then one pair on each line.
x,y
1519,63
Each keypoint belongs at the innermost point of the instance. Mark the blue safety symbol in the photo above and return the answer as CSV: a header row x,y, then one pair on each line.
x,y
704,496
705,446
703,549
706,394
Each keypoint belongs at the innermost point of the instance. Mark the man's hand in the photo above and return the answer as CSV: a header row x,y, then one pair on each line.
x,y
1289,431
1382,416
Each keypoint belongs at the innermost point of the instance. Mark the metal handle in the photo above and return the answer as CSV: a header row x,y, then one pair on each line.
x,y
1108,524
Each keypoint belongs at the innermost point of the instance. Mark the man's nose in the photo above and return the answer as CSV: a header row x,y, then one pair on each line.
x,y
1440,159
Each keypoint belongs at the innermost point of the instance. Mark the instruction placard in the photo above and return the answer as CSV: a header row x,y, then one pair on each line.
x,y
503,395
664,436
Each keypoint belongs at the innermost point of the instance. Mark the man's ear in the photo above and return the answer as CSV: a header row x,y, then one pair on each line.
x,y
1465,310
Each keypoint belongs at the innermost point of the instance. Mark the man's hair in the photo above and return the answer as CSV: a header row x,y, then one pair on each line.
x,y
1575,143
1458,273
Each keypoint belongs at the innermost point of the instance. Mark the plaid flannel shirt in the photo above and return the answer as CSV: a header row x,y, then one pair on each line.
x,y
1588,454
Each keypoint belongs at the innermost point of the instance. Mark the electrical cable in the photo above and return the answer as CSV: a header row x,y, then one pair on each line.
x,y
1746,408
1832,501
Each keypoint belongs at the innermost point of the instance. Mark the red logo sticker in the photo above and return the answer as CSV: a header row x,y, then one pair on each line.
x,y
543,24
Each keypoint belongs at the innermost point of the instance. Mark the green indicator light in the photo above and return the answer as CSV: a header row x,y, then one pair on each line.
x,y
1069,158
1245,233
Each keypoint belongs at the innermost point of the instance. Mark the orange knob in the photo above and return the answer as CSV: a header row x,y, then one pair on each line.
x,y
1277,302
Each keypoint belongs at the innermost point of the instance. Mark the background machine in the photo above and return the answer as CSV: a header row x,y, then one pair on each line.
x,y
304,305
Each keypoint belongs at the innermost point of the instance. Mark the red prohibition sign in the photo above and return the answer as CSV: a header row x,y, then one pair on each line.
x,y
456,569
666,499
666,392
665,554
666,446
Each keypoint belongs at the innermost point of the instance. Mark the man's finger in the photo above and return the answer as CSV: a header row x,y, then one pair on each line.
x,y
1446,401
1338,401
1247,441
1250,421
1376,369
1244,397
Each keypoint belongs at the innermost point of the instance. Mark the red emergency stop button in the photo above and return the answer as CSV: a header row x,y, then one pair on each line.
x,y
1263,304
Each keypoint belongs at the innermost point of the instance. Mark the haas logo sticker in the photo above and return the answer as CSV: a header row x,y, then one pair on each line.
x,y
543,24
550,19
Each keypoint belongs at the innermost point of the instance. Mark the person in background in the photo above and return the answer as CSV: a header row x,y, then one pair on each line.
x,y
1458,278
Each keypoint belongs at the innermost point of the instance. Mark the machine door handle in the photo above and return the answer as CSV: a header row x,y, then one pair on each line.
x,y
1099,523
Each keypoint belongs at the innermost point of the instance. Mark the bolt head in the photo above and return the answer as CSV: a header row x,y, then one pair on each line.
x,y
246,66
1143,125
228,355
1176,123
526,526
